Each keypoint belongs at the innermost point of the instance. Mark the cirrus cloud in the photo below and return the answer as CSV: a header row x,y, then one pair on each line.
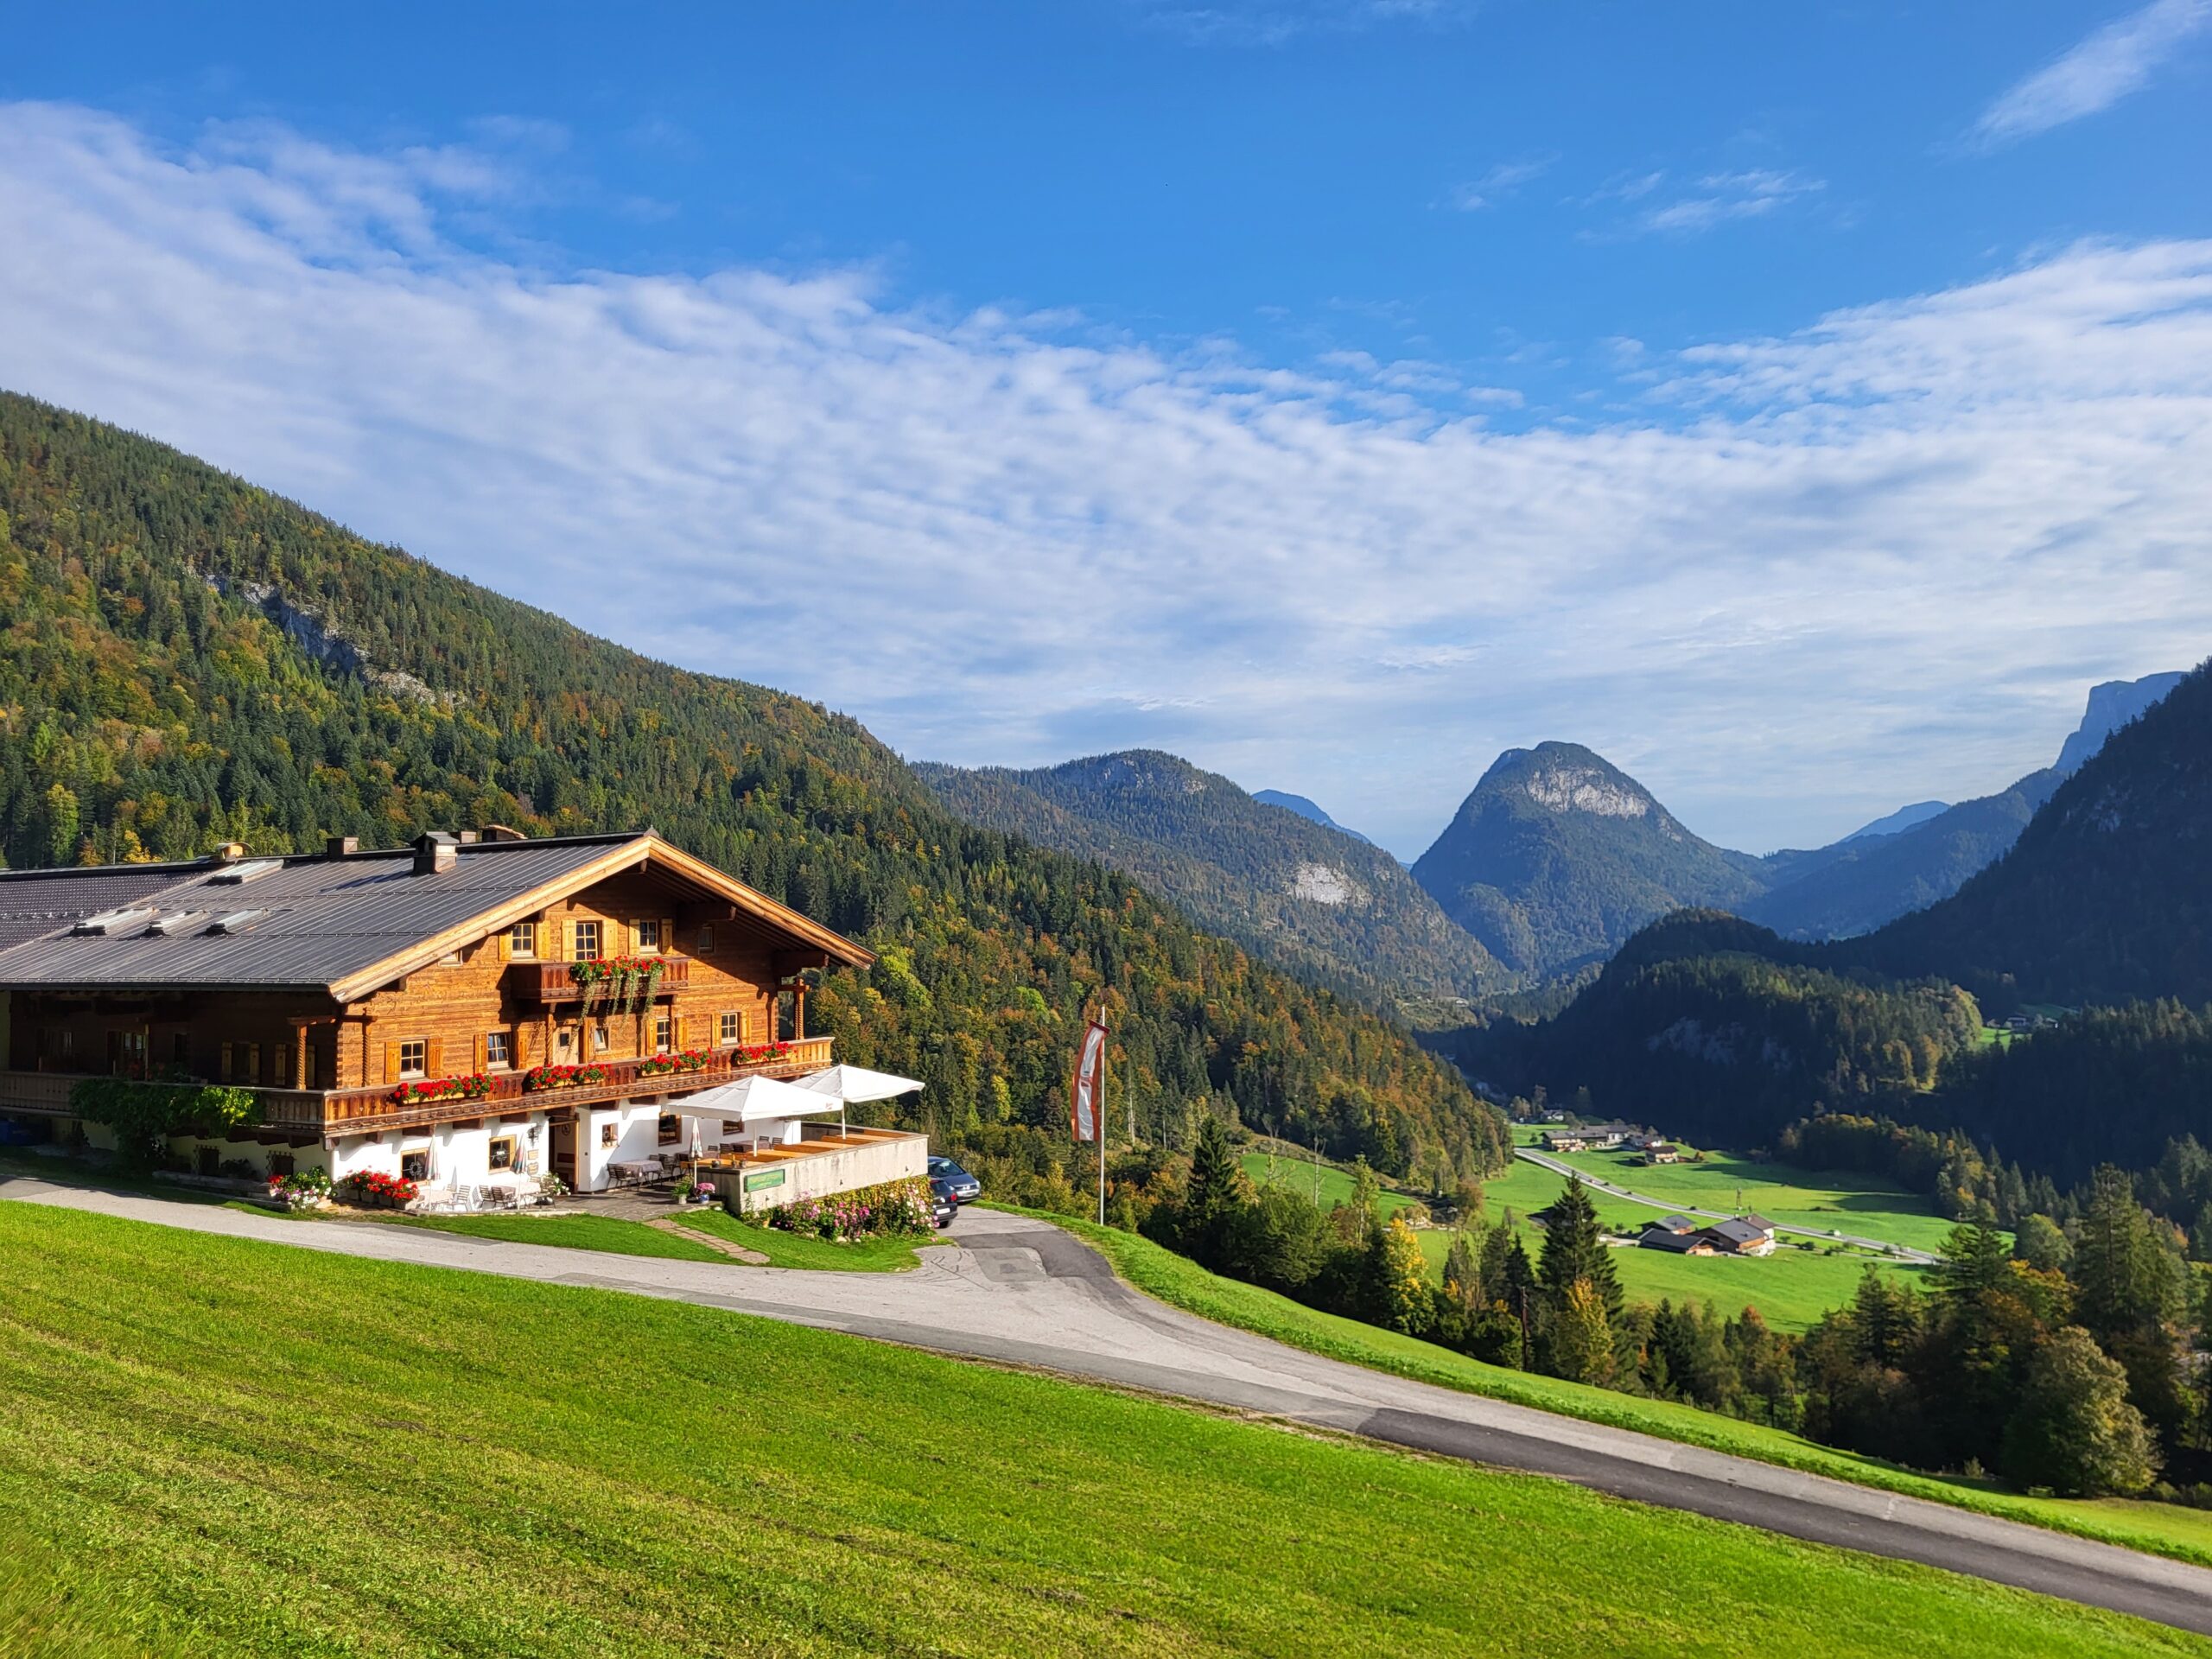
x,y
1806,577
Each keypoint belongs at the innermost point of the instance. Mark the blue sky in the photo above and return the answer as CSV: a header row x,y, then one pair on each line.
x,y
1800,405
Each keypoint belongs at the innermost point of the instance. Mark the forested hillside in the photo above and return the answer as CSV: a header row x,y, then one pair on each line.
x,y
1857,885
1308,896
188,659
2106,896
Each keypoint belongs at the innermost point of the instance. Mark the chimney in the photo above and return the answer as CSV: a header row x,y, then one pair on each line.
x,y
466,838
435,852
340,846
229,853
501,832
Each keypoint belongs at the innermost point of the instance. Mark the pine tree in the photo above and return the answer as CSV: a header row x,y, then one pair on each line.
x,y
1575,1248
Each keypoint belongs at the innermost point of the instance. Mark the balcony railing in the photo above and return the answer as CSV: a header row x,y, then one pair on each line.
x,y
371,1111
551,982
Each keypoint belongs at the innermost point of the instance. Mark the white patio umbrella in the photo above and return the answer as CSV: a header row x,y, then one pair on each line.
x,y
754,1100
851,1083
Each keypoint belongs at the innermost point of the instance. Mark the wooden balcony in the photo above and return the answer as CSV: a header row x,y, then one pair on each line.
x,y
551,982
373,1111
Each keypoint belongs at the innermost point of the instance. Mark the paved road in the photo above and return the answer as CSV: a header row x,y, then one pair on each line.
x,y
1021,1292
1901,1251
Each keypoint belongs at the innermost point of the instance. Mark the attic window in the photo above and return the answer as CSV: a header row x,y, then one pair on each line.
x,y
114,921
238,921
182,921
238,874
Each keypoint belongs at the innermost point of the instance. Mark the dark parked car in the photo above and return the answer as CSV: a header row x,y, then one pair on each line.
x,y
942,1205
966,1189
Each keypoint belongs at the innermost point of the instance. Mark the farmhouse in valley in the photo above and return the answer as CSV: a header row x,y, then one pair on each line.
x,y
1588,1137
1744,1236
469,1009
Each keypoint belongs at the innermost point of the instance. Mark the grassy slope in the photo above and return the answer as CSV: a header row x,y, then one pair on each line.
x,y
244,1449
791,1250
572,1232
2162,1528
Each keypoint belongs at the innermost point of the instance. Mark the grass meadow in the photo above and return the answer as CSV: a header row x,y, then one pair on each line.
x,y
221,1448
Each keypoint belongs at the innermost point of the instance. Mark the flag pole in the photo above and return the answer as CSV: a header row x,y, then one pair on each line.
x,y
1098,1117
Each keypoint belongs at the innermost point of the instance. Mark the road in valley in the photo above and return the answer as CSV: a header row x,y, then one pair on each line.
x,y
1597,1184
1019,1291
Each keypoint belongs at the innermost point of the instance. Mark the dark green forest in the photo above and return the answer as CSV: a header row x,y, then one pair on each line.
x,y
189,659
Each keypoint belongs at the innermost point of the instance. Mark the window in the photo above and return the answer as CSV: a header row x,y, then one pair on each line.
x,y
664,1033
704,944
499,1050
415,1166
180,1048
672,1128
565,1039
522,940
502,1153
282,1163
414,1057
599,1036
242,1063
585,936
732,1126
68,1042
209,1160
609,1133
733,1031
648,936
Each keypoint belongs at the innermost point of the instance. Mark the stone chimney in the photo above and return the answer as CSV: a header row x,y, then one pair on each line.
x,y
435,852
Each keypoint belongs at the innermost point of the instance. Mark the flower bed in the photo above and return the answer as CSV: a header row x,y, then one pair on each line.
x,y
691,1060
303,1191
474,1085
373,1190
562,1076
895,1209
759,1053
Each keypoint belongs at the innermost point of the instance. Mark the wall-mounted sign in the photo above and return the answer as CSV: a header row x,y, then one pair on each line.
x,y
765,1180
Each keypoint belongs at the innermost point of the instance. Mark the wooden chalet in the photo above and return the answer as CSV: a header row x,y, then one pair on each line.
x,y
465,1009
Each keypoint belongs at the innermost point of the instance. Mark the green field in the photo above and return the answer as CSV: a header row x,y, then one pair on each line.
x,y
1790,1288
1824,1200
215,1447
2162,1528
570,1231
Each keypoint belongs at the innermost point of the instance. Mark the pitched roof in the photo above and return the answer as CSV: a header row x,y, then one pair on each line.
x,y
344,923
1740,1231
1676,1223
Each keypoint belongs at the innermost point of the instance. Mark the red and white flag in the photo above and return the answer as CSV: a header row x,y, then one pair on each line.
x,y
1087,1089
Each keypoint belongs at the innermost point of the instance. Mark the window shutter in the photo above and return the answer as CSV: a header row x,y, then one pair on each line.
x,y
391,1061
482,1060
667,935
507,943
227,1075
434,1059
676,1032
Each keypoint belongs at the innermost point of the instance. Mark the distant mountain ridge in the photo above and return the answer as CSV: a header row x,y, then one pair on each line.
x,y
2112,705
1905,818
1306,809
1305,894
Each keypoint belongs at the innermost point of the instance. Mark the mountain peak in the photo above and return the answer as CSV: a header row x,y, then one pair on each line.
x,y
2112,705
1568,777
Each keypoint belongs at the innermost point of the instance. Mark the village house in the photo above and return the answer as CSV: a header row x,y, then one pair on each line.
x,y
1661,1152
1588,1137
1677,1233
470,1011
1743,1235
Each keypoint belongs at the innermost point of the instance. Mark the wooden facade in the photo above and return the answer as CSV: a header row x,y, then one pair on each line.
x,y
464,1032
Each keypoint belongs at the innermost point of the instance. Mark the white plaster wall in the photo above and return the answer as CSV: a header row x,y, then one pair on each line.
x,y
838,1172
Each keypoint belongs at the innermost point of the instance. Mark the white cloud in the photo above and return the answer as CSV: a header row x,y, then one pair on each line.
x,y
1872,561
1499,182
1724,196
2094,74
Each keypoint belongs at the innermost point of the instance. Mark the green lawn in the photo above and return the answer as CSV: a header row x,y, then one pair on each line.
x,y
2162,1528
570,1231
792,1250
239,1448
